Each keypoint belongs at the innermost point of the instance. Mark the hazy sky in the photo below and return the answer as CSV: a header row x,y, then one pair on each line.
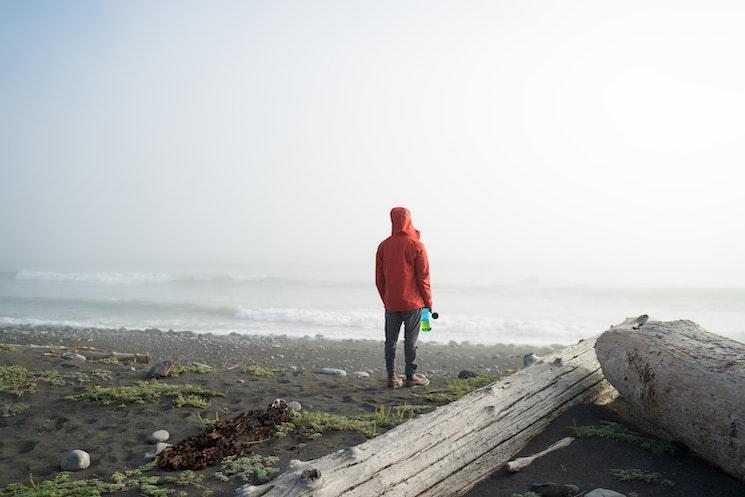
x,y
569,141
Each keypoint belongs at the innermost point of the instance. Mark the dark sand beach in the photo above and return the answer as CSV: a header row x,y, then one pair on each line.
x,y
33,442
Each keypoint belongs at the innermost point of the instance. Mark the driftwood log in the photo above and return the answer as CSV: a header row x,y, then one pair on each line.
x,y
687,381
448,451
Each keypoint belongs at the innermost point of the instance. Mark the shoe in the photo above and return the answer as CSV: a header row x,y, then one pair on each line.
x,y
417,381
395,382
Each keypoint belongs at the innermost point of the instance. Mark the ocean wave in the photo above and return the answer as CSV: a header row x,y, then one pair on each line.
x,y
317,317
107,278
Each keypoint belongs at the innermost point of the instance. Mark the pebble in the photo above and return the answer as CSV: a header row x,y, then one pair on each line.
x,y
75,460
158,436
333,371
361,374
159,447
604,492
72,356
466,373
294,406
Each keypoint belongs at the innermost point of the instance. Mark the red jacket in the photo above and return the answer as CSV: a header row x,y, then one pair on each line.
x,y
402,267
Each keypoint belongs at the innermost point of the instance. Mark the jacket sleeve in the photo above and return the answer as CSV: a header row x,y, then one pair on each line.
x,y
379,276
421,265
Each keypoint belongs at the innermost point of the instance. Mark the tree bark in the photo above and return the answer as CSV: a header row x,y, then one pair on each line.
x,y
448,451
687,381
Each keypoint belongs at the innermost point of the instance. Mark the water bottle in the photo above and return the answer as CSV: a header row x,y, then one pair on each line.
x,y
425,319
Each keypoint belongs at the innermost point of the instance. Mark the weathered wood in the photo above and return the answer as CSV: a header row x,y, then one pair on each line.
x,y
517,464
448,451
685,380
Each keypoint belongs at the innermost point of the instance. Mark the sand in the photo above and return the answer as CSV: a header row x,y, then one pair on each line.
x,y
33,442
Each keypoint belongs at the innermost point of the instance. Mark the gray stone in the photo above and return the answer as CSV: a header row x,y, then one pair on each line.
x,y
604,492
160,369
466,374
531,358
333,371
158,436
554,490
75,460
159,447
294,406
72,356
361,374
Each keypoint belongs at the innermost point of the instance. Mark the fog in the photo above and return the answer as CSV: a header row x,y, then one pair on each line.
x,y
534,141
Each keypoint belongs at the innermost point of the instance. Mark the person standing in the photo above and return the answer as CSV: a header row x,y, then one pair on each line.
x,y
402,278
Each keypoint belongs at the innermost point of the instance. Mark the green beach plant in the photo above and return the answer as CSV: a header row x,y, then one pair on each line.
x,y
17,379
150,485
149,391
619,433
179,369
6,347
456,389
636,474
207,423
253,468
9,409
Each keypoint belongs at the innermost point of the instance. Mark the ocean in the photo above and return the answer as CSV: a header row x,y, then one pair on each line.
x,y
338,309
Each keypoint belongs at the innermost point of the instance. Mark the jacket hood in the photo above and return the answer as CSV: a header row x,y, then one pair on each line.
x,y
401,222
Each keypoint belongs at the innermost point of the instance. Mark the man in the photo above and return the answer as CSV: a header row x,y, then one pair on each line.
x,y
402,278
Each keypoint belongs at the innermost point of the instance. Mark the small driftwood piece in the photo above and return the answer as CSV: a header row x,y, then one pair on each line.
x,y
122,357
446,452
516,465
683,380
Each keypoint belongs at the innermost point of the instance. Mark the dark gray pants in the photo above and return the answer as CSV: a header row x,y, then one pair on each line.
x,y
393,320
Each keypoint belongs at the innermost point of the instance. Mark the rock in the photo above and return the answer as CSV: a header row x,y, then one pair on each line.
x,y
604,492
294,406
75,460
159,447
361,374
554,490
160,369
332,371
466,374
158,436
72,356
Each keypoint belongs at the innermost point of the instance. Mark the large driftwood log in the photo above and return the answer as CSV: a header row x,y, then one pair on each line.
x,y
687,381
448,451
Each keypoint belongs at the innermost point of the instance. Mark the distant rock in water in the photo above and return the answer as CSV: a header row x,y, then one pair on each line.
x,y
466,373
75,460
332,371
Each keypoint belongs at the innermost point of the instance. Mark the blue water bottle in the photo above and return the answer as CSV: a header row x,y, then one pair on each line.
x,y
425,319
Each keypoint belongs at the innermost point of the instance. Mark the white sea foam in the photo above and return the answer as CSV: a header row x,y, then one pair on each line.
x,y
317,317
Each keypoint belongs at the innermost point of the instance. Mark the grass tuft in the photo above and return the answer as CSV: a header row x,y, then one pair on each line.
x,y
251,469
640,475
149,391
9,409
6,347
149,485
18,380
311,424
179,369
619,433
256,370
459,388
207,423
